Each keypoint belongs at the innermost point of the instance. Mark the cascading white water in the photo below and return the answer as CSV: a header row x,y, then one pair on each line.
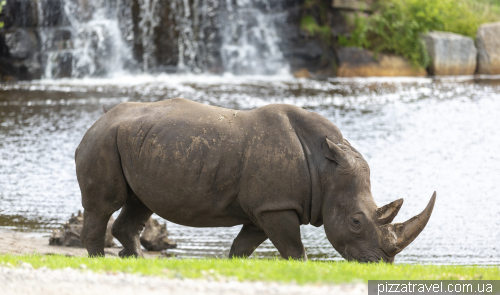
x,y
149,20
250,39
97,37
197,27
95,45
242,34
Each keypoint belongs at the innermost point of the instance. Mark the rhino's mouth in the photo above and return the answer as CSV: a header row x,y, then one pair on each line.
x,y
377,255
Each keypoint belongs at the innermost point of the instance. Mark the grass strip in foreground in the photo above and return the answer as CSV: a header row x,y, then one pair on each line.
x,y
271,270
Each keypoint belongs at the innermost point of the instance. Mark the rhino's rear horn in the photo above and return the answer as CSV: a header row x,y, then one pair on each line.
x,y
395,237
387,213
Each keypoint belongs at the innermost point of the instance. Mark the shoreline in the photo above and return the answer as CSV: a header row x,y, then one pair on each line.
x,y
19,243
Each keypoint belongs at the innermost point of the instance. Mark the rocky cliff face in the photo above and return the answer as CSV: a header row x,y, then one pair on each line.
x,y
94,38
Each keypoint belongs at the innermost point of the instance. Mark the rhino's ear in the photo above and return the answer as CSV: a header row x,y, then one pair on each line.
x,y
387,213
332,151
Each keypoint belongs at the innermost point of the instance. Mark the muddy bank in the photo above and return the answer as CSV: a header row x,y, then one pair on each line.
x,y
25,243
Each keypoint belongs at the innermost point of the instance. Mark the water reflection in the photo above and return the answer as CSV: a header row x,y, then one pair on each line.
x,y
418,136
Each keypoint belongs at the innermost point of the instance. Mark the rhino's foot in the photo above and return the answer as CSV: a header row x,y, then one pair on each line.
x,y
129,224
129,253
93,231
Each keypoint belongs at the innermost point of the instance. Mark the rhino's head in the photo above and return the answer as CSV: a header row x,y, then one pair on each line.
x,y
354,225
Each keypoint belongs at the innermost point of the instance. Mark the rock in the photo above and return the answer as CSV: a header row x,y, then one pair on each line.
x,y
365,5
20,13
19,54
302,73
154,237
22,43
488,47
451,54
356,62
57,237
69,235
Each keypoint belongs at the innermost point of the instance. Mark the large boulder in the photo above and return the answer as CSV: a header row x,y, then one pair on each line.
x,y
69,235
451,54
22,43
19,55
488,47
356,62
155,236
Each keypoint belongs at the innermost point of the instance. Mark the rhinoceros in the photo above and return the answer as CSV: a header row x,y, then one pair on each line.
x,y
270,169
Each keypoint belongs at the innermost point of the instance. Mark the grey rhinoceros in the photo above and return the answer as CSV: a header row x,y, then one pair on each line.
x,y
270,169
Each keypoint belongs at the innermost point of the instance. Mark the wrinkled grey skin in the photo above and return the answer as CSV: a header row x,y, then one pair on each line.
x,y
271,169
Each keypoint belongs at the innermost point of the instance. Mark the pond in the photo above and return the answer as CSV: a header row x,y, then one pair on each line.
x,y
418,136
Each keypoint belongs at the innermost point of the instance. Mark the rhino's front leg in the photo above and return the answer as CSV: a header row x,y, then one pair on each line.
x,y
249,238
283,229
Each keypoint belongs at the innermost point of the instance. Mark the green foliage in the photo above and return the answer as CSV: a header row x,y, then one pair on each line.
x,y
277,270
309,24
317,25
2,4
397,25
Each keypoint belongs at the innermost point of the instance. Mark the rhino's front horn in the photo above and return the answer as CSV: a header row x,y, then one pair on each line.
x,y
395,237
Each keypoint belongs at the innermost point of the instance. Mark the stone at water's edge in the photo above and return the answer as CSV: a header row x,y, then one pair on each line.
x,y
356,62
488,47
451,54
69,235
155,236
302,73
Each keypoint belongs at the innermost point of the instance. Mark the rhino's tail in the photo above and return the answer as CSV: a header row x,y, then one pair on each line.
x,y
104,109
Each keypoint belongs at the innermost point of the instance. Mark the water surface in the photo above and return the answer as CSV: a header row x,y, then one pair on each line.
x,y
418,135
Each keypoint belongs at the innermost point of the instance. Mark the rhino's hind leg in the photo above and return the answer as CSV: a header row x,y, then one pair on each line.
x,y
129,225
283,229
104,190
94,231
249,238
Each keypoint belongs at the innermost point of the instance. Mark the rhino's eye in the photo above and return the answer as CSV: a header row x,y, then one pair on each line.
x,y
357,223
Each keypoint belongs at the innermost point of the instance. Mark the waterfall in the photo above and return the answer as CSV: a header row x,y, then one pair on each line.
x,y
149,21
250,39
95,38
89,43
237,36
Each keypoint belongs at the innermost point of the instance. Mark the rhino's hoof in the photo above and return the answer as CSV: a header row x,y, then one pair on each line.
x,y
128,253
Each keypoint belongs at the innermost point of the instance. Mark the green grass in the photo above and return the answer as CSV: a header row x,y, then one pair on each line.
x,y
278,270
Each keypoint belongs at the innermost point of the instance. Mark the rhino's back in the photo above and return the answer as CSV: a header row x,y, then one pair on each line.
x,y
201,165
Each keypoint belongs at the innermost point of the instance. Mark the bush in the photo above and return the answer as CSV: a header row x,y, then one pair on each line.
x,y
397,25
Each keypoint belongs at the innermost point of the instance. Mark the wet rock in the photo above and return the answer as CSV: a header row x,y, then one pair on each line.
x,y
19,54
488,47
52,13
22,44
155,236
20,13
451,54
356,62
69,235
